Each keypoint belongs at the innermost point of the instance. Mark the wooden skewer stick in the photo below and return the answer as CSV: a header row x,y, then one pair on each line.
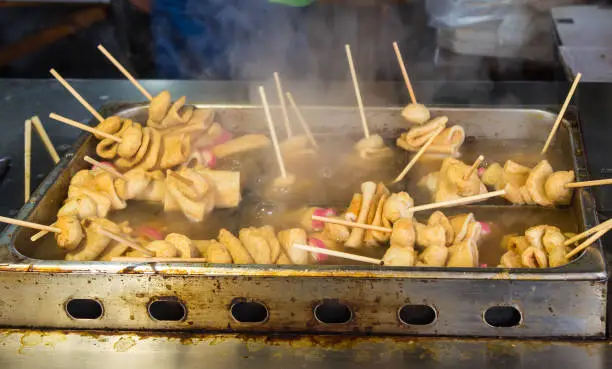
x,y
76,95
42,133
84,127
561,113
473,167
598,182
107,168
178,177
125,72
277,151
39,235
344,255
301,119
281,99
23,223
456,202
352,224
588,242
417,156
400,61
587,233
27,159
125,241
158,260
364,122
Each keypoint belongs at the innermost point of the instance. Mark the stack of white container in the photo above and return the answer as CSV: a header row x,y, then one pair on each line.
x,y
496,28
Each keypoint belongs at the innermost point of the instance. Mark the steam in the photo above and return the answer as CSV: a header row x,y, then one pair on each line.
x,y
248,40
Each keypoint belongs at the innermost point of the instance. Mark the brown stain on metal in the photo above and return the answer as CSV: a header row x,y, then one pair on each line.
x,y
36,338
30,339
425,347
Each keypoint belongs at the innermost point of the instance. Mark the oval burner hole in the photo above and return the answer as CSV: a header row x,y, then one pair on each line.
x,y
417,314
502,316
332,312
84,309
249,312
167,310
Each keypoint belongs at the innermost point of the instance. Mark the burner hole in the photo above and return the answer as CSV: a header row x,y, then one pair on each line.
x,y
502,316
417,314
249,312
167,310
332,312
84,309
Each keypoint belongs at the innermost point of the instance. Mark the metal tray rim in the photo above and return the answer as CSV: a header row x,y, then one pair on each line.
x,y
21,262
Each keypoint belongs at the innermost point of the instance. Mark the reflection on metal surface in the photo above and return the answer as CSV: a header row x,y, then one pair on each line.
x,y
56,349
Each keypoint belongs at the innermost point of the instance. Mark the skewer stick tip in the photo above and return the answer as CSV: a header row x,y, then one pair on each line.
x,y
591,240
125,72
352,224
568,98
84,127
402,65
76,95
474,166
108,169
23,223
281,99
119,238
42,133
597,182
364,122
344,255
416,156
277,151
27,159
457,202
301,119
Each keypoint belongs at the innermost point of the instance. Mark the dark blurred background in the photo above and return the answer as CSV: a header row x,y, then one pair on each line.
x,y
248,39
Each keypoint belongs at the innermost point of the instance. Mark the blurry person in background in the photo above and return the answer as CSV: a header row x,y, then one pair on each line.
x,y
228,39
250,39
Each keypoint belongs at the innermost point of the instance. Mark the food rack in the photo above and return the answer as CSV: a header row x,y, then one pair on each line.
x,y
569,301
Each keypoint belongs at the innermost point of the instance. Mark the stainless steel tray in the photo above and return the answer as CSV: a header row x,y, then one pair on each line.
x,y
565,301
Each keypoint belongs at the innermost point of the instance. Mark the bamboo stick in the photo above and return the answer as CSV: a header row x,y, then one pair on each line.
x,y
344,255
457,202
84,127
364,122
568,98
76,95
352,224
125,72
277,150
597,182
27,160
108,169
42,133
23,223
417,156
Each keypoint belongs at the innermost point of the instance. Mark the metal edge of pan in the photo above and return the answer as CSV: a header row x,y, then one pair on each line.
x,y
579,269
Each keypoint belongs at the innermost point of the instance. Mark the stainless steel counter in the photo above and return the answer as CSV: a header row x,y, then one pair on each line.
x,y
53,349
